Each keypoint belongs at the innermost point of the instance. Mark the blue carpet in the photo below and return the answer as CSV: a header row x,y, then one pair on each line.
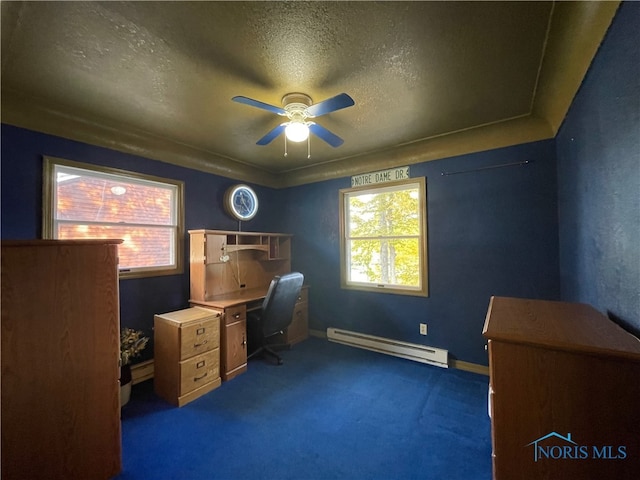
x,y
330,412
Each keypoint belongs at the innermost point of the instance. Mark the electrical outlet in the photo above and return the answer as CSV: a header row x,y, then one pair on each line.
x,y
423,329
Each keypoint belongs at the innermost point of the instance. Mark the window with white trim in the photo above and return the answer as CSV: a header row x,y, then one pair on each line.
x,y
84,201
383,241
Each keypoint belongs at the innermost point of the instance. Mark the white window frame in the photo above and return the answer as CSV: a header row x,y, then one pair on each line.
x,y
345,236
50,222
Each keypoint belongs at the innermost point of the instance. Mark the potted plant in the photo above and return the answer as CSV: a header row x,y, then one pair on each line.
x,y
132,342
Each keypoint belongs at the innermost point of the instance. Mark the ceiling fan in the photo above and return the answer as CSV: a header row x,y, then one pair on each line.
x,y
298,107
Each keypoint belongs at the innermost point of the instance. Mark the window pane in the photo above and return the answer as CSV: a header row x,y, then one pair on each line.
x,y
83,201
387,262
142,247
104,198
384,214
383,246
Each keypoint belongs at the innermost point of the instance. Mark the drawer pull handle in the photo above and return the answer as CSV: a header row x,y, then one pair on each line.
x,y
195,379
200,364
236,316
244,341
200,344
200,331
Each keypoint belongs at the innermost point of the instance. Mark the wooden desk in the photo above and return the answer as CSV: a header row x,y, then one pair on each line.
x,y
233,308
230,272
251,297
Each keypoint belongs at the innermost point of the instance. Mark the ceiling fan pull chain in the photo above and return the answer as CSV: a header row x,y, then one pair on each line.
x,y
285,145
309,146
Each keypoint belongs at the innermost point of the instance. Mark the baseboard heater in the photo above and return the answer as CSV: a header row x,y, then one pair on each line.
x,y
410,351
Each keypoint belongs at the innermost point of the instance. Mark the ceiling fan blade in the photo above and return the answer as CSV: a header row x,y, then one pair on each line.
x,y
269,137
264,106
330,105
329,137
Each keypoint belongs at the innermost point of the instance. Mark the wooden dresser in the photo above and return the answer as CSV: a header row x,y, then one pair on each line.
x,y
60,355
187,354
564,392
230,272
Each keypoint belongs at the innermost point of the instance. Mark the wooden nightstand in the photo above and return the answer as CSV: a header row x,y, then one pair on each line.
x,y
187,354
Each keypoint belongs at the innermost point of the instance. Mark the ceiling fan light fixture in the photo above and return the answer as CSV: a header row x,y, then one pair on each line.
x,y
297,131
297,107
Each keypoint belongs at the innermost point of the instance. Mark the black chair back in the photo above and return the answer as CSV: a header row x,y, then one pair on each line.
x,y
278,305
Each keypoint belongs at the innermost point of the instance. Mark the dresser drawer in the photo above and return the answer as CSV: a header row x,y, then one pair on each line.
x,y
235,314
199,337
199,370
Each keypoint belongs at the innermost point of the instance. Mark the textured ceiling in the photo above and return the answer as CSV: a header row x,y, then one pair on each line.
x,y
429,79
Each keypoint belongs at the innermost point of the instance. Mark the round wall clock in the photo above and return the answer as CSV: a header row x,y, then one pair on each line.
x,y
241,202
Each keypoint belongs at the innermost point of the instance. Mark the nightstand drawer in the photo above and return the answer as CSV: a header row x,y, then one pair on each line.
x,y
199,337
199,370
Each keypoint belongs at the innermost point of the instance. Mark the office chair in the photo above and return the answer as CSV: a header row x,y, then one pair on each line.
x,y
276,313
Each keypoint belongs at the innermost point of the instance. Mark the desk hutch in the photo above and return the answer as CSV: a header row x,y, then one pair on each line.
x,y
230,272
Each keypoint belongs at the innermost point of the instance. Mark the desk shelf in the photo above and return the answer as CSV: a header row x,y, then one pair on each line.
x,y
237,248
221,246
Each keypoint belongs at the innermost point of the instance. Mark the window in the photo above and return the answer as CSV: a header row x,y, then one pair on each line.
x,y
383,237
85,201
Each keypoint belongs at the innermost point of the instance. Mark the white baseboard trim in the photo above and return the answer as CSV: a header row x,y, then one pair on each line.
x,y
318,333
459,364
469,367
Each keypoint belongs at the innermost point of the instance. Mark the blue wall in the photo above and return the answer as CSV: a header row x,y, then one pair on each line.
x,y
598,151
515,231
491,232
140,299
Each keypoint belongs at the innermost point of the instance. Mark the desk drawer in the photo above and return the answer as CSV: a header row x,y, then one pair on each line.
x,y
199,370
298,330
199,337
235,314
304,296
